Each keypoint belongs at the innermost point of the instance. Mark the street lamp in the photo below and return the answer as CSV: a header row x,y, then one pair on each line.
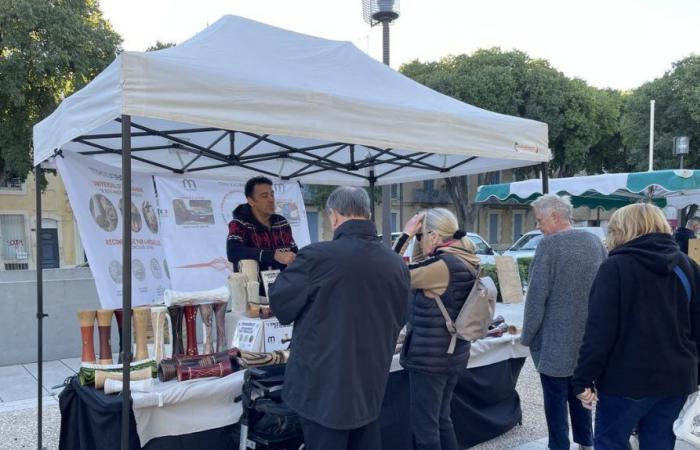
x,y
375,12
681,147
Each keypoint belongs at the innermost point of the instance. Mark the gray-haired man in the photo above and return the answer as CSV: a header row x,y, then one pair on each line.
x,y
561,274
348,301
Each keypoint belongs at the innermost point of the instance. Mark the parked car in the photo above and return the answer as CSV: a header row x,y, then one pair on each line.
x,y
527,244
483,249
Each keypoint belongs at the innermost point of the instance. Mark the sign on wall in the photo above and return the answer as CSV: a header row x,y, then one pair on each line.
x,y
95,194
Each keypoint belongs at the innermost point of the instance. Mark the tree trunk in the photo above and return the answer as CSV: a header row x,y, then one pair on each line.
x,y
458,188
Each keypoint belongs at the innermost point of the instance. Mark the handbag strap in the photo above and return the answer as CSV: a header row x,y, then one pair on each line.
x,y
684,281
449,324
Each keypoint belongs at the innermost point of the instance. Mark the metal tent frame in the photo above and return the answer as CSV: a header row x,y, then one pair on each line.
x,y
313,163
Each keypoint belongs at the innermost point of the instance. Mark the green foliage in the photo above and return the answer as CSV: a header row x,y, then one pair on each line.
x,y
583,121
677,113
160,46
489,270
48,49
319,193
524,268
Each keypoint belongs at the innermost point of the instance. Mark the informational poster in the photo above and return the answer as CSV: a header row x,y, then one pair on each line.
x,y
248,335
194,215
95,194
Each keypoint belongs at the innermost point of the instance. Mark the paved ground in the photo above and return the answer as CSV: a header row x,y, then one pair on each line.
x,y
18,409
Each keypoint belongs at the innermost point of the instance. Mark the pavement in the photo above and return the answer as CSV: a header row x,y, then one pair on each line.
x,y
18,409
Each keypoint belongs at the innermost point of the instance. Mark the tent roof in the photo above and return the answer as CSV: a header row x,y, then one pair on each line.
x,y
263,99
677,188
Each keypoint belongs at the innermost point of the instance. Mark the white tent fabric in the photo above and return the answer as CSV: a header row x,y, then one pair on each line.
x,y
296,90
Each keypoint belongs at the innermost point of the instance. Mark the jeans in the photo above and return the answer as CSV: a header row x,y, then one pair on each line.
x,y
318,437
616,416
557,392
430,410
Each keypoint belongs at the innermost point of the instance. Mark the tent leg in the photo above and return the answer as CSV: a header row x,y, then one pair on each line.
x,y
545,178
39,310
371,196
126,278
386,214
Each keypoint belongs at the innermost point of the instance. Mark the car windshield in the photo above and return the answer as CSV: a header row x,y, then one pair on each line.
x,y
527,242
481,247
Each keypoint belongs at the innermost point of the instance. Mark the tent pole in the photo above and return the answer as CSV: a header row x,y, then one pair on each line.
x,y
386,214
126,278
371,196
39,309
545,178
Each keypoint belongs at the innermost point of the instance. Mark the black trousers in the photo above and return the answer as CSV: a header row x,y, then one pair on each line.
x,y
318,437
431,396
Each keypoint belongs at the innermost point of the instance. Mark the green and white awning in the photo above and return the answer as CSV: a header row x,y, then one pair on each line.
x,y
677,188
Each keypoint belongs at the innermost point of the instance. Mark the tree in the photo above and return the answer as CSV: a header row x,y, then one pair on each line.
x,y
677,113
160,46
582,120
48,49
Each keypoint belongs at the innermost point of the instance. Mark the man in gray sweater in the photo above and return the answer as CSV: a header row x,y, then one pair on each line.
x,y
561,274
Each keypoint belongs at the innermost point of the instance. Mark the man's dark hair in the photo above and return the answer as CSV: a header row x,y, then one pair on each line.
x,y
250,185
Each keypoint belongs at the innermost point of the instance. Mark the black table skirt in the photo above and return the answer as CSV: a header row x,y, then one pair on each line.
x,y
485,405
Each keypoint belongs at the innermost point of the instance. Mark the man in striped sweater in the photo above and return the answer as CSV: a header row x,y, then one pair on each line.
x,y
257,233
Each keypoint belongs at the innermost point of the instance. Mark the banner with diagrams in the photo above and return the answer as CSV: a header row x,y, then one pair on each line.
x,y
95,193
194,216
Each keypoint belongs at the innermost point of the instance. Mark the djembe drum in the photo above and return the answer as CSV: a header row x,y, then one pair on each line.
x,y
159,315
220,315
119,316
237,287
102,375
87,330
207,312
104,327
191,327
141,316
249,268
176,312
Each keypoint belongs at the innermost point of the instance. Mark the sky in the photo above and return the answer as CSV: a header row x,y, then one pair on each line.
x,y
618,44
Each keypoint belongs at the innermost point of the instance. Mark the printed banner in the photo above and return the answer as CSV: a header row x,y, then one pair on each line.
x,y
194,215
95,194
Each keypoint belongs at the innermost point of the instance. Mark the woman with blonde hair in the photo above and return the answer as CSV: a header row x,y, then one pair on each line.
x,y
639,357
444,266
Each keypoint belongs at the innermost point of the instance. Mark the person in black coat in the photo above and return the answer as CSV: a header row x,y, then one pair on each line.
x,y
348,301
639,357
684,234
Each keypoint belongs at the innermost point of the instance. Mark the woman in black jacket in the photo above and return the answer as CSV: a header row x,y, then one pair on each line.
x,y
447,272
639,357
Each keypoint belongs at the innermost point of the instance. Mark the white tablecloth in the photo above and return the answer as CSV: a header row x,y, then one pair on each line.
x,y
176,408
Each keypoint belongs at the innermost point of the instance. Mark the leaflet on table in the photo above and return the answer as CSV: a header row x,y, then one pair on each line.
x,y
262,335
194,215
95,194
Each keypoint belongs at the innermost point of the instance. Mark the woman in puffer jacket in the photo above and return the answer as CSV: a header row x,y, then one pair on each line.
x,y
447,271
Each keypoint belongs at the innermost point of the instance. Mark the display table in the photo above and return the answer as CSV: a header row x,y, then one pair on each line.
x,y
201,413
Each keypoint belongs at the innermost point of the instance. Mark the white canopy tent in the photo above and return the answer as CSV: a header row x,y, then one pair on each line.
x,y
243,98
267,100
